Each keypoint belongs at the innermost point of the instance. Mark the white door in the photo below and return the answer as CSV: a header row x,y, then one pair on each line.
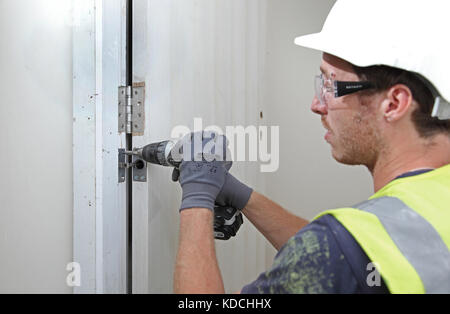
x,y
62,210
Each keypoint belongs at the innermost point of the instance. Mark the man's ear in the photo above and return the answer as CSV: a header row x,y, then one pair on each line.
x,y
397,103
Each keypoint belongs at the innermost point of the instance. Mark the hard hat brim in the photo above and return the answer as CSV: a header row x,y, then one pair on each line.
x,y
322,42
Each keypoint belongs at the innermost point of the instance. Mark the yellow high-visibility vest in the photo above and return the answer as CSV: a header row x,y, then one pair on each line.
x,y
405,230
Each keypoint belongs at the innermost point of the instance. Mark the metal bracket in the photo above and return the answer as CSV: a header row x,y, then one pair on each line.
x,y
139,167
122,165
139,170
132,109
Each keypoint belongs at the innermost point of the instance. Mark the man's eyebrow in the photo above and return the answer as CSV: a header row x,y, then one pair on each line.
x,y
326,73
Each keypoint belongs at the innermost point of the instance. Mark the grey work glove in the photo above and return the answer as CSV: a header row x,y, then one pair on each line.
x,y
202,180
234,193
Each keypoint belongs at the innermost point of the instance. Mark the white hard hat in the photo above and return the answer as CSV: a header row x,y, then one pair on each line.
x,y
413,35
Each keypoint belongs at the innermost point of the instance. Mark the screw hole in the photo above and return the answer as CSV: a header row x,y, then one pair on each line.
x,y
139,164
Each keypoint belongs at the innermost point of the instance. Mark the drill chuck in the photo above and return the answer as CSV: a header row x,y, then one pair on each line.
x,y
158,154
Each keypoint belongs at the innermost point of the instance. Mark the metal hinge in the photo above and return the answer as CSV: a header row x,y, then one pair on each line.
x,y
139,167
132,109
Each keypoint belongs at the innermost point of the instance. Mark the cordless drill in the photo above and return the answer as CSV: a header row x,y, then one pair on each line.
x,y
227,220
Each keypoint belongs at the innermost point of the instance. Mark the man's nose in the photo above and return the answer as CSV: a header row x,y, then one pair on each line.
x,y
318,108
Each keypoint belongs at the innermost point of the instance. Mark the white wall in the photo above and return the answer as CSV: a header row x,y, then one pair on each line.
x,y
36,141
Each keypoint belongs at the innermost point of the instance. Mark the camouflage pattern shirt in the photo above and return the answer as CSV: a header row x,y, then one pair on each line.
x,y
322,258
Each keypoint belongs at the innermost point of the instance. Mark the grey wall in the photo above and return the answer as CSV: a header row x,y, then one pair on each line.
x,y
36,141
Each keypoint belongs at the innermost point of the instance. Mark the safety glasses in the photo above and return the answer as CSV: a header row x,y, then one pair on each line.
x,y
325,87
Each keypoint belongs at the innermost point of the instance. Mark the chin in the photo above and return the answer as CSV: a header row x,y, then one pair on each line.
x,y
346,159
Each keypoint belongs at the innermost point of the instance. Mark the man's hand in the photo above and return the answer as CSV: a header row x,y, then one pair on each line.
x,y
203,172
234,193
197,178
201,182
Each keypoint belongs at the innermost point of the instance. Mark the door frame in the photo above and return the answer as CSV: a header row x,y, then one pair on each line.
x,y
99,201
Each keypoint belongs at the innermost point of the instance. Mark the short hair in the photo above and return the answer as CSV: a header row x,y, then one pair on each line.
x,y
383,77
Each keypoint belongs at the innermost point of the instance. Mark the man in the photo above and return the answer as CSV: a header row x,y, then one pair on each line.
x,y
383,97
